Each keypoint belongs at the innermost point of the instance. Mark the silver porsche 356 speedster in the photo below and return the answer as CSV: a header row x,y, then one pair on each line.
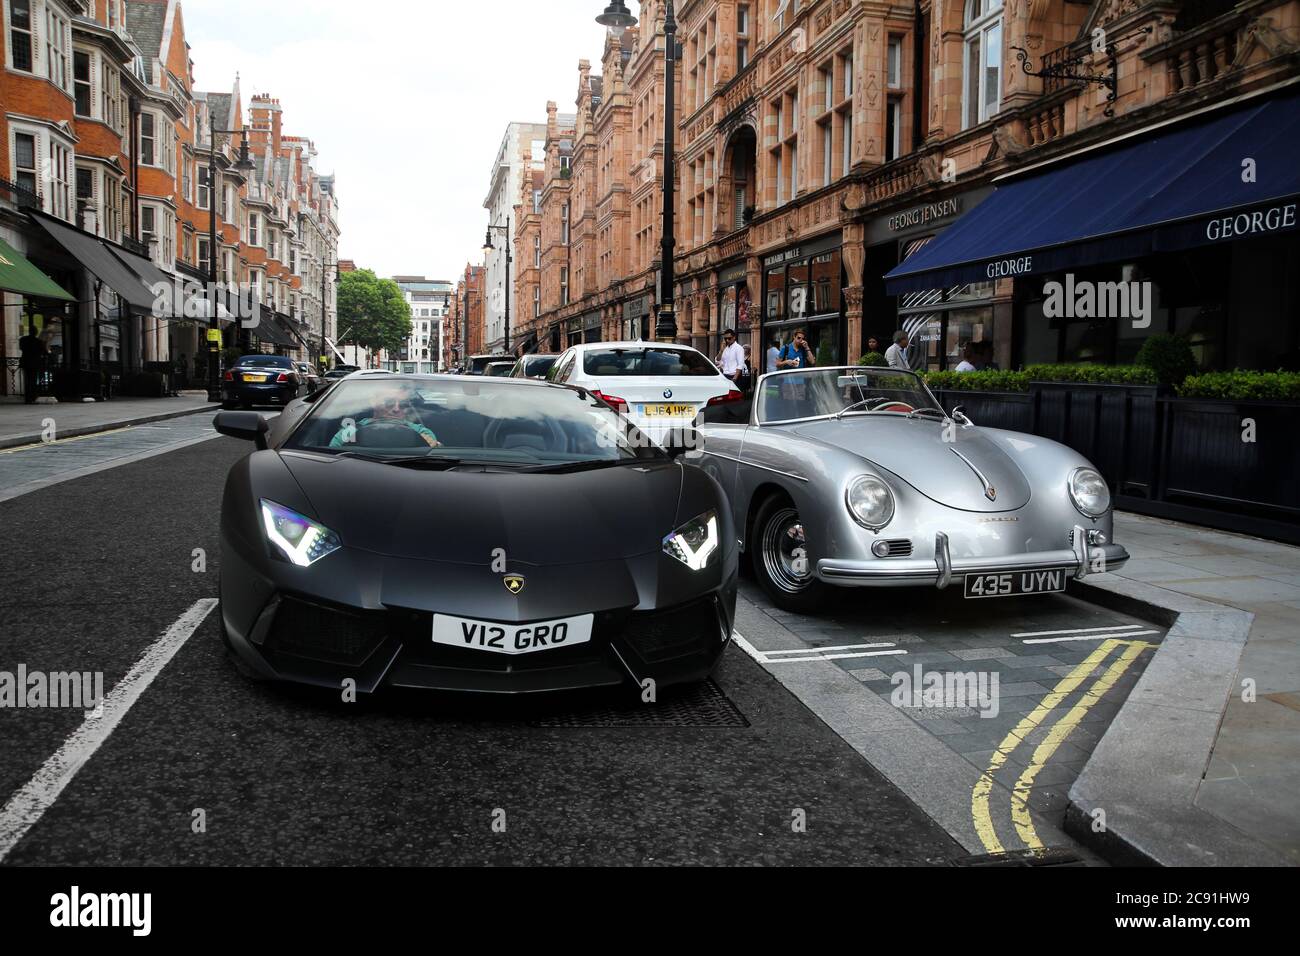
x,y
857,477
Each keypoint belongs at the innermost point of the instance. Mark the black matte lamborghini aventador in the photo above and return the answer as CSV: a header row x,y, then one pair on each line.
x,y
457,533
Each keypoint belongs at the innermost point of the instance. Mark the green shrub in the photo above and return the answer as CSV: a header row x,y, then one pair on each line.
x,y
1094,374
873,360
1243,386
1169,356
988,381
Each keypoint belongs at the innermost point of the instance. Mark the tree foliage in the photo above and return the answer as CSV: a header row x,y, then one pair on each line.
x,y
372,311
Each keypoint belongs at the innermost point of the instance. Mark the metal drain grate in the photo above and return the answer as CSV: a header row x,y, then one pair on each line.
x,y
1046,857
704,706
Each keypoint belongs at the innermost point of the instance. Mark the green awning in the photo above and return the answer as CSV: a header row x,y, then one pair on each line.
x,y
19,275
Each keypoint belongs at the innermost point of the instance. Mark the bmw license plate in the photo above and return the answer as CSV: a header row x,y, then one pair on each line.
x,y
668,411
1013,583
499,638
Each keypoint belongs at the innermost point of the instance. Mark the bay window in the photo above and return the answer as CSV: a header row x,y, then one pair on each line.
x,y
20,35
982,87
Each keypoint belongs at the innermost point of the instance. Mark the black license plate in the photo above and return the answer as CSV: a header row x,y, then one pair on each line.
x,y
1013,583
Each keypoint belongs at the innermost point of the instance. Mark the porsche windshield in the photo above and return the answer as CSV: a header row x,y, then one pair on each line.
x,y
826,392
476,420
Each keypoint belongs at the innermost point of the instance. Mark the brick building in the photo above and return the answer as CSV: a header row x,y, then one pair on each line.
x,y
822,145
105,188
467,310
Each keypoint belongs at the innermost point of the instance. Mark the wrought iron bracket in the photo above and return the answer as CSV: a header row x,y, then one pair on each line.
x,y
1072,69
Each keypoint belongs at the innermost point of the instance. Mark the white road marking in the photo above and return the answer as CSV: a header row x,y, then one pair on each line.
x,y
809,654
28,804
831,657
841,647
1089,637
1082,630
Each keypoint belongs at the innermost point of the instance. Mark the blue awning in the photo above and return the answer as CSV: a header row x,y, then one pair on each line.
x,y
1182,186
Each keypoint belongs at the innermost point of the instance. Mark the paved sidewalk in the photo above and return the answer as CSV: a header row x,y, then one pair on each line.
x,y
22,424
1253,776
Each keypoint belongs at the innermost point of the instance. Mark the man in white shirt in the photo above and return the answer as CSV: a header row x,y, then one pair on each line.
x,y
773,356
733,356
896,354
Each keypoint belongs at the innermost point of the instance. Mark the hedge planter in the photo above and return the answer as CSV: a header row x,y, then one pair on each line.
x,y
1181,458
1114,426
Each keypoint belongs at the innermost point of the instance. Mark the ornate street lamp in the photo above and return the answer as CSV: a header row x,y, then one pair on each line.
x,y
617,18
489,246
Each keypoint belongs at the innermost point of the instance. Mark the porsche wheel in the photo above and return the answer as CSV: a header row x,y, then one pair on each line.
x,y
780,558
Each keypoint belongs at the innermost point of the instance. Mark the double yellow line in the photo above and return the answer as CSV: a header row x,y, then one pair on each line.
x,y
1055,737
64,441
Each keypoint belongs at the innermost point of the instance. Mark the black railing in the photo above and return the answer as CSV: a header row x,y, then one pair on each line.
x,y
1180,458
20,196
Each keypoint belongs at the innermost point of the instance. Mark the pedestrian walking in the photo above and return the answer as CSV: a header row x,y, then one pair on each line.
x,y
732,360
32,354
773,354
896,356
797,354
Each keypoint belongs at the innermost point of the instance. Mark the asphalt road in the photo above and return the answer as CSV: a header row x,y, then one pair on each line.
x,y
96,568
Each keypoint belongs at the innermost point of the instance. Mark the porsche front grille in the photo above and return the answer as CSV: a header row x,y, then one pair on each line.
x,y
899,548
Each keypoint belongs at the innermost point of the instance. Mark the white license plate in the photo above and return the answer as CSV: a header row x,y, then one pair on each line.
x,y
501,638
1013,583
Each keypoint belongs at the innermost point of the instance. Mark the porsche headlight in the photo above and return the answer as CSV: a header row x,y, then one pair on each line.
x,y
870,502
694,543
1089,493
298,538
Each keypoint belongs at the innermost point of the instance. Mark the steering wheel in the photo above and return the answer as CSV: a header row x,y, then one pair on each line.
x,y
498,433
389,434
901,407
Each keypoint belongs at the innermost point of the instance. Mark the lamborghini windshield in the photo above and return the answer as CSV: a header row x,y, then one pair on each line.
x,y
828,392
467,420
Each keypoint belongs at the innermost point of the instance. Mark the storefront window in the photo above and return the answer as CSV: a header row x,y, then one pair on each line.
x,y
804,292
796,288
775,295
825,282
964,327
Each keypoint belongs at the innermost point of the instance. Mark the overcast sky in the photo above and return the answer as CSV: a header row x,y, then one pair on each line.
x,y
406,101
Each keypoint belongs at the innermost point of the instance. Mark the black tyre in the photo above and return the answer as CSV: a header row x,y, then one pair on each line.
x,y
778,554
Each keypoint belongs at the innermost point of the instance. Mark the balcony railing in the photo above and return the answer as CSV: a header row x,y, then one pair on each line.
x,y
20,196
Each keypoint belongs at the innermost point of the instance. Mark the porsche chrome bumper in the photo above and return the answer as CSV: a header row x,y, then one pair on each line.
x,y
1081,560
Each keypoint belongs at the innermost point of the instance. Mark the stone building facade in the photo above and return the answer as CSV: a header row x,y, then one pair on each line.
x,y
821,144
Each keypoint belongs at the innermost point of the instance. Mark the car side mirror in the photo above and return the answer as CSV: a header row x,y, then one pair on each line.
x,y
678,441
249,426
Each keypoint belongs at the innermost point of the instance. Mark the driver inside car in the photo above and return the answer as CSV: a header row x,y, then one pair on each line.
x,y
392,406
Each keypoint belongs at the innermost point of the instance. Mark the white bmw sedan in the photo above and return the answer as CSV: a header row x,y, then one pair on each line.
x,y
658,386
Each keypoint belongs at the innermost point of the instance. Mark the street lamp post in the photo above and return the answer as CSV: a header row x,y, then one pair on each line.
x,y
618,18
488,246
244,164
323,273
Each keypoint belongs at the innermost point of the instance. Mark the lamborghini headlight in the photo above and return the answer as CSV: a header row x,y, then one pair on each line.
x,y
296,537
694,543
1089,493
870,502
